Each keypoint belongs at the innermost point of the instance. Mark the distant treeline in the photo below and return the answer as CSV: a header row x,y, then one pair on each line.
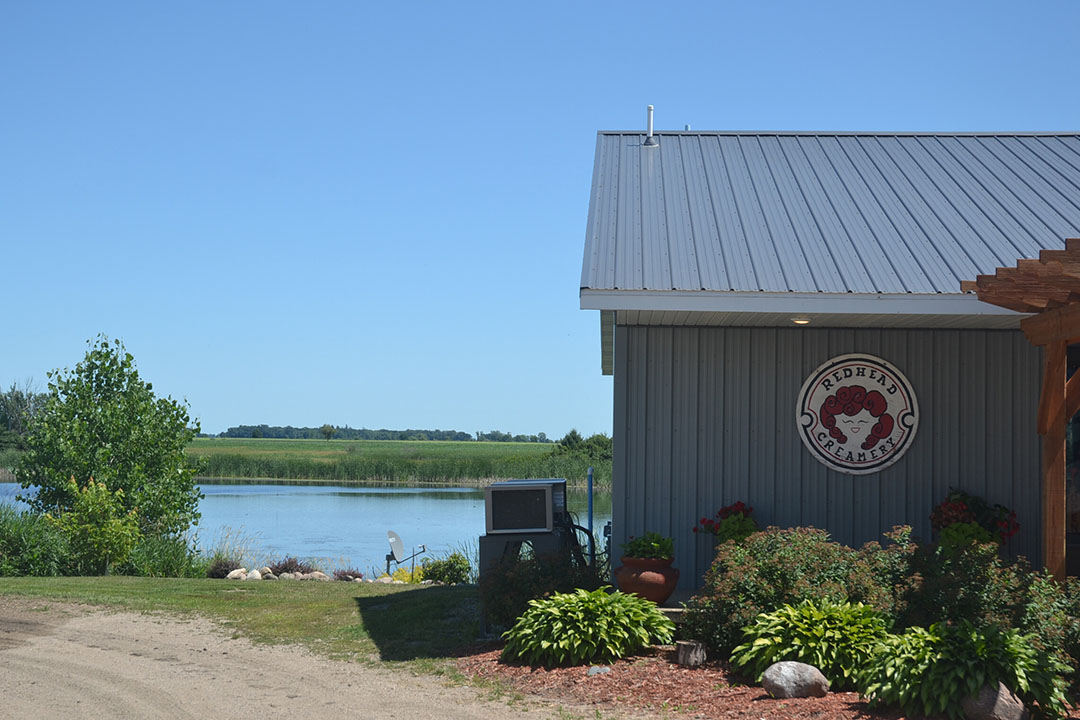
x,y
347,433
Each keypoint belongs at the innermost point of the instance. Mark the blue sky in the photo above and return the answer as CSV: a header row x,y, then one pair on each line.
x,y
374,214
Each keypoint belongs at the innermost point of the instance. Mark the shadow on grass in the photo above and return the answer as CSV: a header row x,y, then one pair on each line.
x,y
426,622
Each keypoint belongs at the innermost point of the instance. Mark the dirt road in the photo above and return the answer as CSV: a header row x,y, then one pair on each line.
x,y
63,661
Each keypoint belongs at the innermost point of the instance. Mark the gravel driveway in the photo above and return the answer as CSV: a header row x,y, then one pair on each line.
x,y
66,661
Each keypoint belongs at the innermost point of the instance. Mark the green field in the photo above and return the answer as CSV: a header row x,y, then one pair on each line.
x,y
388,461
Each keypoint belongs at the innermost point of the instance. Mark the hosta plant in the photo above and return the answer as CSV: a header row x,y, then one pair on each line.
x,y
585,627
836,638
930,671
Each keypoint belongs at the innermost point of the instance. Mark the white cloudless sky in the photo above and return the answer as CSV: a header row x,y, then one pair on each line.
x,y
373,214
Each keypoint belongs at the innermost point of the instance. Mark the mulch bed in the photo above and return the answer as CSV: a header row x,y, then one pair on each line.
x,y
653,682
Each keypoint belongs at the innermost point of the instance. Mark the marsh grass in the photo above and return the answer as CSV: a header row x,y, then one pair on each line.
x,y
388,461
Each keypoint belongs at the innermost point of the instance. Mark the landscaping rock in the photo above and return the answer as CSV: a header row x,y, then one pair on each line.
x,y
794,680
264,571
994,704
287,576
360,579
385,579
598,670
269,576
253,575
317,576
237,574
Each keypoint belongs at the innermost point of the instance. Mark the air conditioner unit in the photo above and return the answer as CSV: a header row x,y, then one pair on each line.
x,y
524,506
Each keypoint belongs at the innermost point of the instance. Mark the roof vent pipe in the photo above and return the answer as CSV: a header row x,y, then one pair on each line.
x,y
650,141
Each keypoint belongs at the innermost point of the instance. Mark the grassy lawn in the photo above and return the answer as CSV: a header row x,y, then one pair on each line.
x,y
424,626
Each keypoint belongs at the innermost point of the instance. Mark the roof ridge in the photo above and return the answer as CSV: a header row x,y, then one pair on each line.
x,y
867,133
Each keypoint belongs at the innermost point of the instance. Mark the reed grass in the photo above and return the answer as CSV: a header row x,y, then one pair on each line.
x,y
385,461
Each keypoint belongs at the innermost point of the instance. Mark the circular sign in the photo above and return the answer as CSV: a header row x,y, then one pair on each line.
x,y
857,414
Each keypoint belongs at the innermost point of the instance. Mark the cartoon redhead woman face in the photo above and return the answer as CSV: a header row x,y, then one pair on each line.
x,y
852,411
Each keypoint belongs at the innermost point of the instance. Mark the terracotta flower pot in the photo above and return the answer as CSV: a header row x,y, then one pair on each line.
x,y
650,578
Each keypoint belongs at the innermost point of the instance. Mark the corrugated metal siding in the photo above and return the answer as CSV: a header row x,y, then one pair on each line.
x,y
824,212
706,416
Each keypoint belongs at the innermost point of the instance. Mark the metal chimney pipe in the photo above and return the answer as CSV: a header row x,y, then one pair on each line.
x,y
650,141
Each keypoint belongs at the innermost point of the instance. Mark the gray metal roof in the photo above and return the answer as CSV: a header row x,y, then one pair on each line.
x,y
864,213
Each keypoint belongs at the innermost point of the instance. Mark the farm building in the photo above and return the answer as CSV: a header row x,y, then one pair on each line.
x,y
784,319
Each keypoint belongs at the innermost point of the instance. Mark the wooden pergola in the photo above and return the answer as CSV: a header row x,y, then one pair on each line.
x,y
1049,289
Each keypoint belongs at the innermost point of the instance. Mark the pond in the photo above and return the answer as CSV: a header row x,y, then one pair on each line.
x,y
345,526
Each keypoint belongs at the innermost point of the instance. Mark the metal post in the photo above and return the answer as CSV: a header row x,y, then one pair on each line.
x,y
592,543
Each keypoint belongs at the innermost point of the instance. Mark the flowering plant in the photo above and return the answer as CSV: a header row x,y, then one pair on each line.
x,y
732,522
961,507
650,545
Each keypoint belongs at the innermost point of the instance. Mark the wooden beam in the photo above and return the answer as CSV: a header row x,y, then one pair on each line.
x,y
1053,452
1060,324
1072,396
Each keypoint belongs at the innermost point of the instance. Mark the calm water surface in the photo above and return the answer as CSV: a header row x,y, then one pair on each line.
x,y
346,526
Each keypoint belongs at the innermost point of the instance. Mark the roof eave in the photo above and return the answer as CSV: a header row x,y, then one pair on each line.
x,y
963,304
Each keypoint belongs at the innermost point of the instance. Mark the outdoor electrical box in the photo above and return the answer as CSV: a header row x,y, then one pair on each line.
x,y
524,506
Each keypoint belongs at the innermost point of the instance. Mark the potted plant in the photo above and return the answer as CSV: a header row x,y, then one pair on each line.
x,y
646,567
732,522
962,518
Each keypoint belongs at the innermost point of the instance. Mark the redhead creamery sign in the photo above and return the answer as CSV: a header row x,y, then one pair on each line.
x,y
857,414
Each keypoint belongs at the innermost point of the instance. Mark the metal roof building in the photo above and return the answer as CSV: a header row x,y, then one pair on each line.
x,y
731,269
750,227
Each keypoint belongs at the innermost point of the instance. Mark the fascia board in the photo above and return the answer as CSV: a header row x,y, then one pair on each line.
x,y
794,303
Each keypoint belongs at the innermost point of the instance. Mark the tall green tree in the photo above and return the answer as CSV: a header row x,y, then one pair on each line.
x,y
328,431
101,421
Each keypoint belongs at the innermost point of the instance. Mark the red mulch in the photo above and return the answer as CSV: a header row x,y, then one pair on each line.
x,y
653,682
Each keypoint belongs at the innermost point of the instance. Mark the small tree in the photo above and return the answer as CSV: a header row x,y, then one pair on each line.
x,y
100,533
328,431
102,421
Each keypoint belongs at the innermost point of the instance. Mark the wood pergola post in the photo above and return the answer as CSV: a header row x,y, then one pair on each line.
x,y
1049,290
1052,411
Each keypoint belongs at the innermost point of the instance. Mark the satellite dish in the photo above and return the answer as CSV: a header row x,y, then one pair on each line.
x,y
397,551
397,548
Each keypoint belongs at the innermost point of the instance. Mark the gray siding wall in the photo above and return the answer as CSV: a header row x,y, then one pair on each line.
x,y
706,416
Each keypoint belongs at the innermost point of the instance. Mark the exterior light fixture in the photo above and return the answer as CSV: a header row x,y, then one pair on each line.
x,y
800,320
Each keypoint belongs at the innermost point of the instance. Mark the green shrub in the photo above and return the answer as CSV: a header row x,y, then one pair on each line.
x,y
506,589
930,672
165,556
451,570
650,545
770,569
957,536
585,627
289,564
1051,614
838,639
965,582
30,544
410,575
221,565
100,534
1071,636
